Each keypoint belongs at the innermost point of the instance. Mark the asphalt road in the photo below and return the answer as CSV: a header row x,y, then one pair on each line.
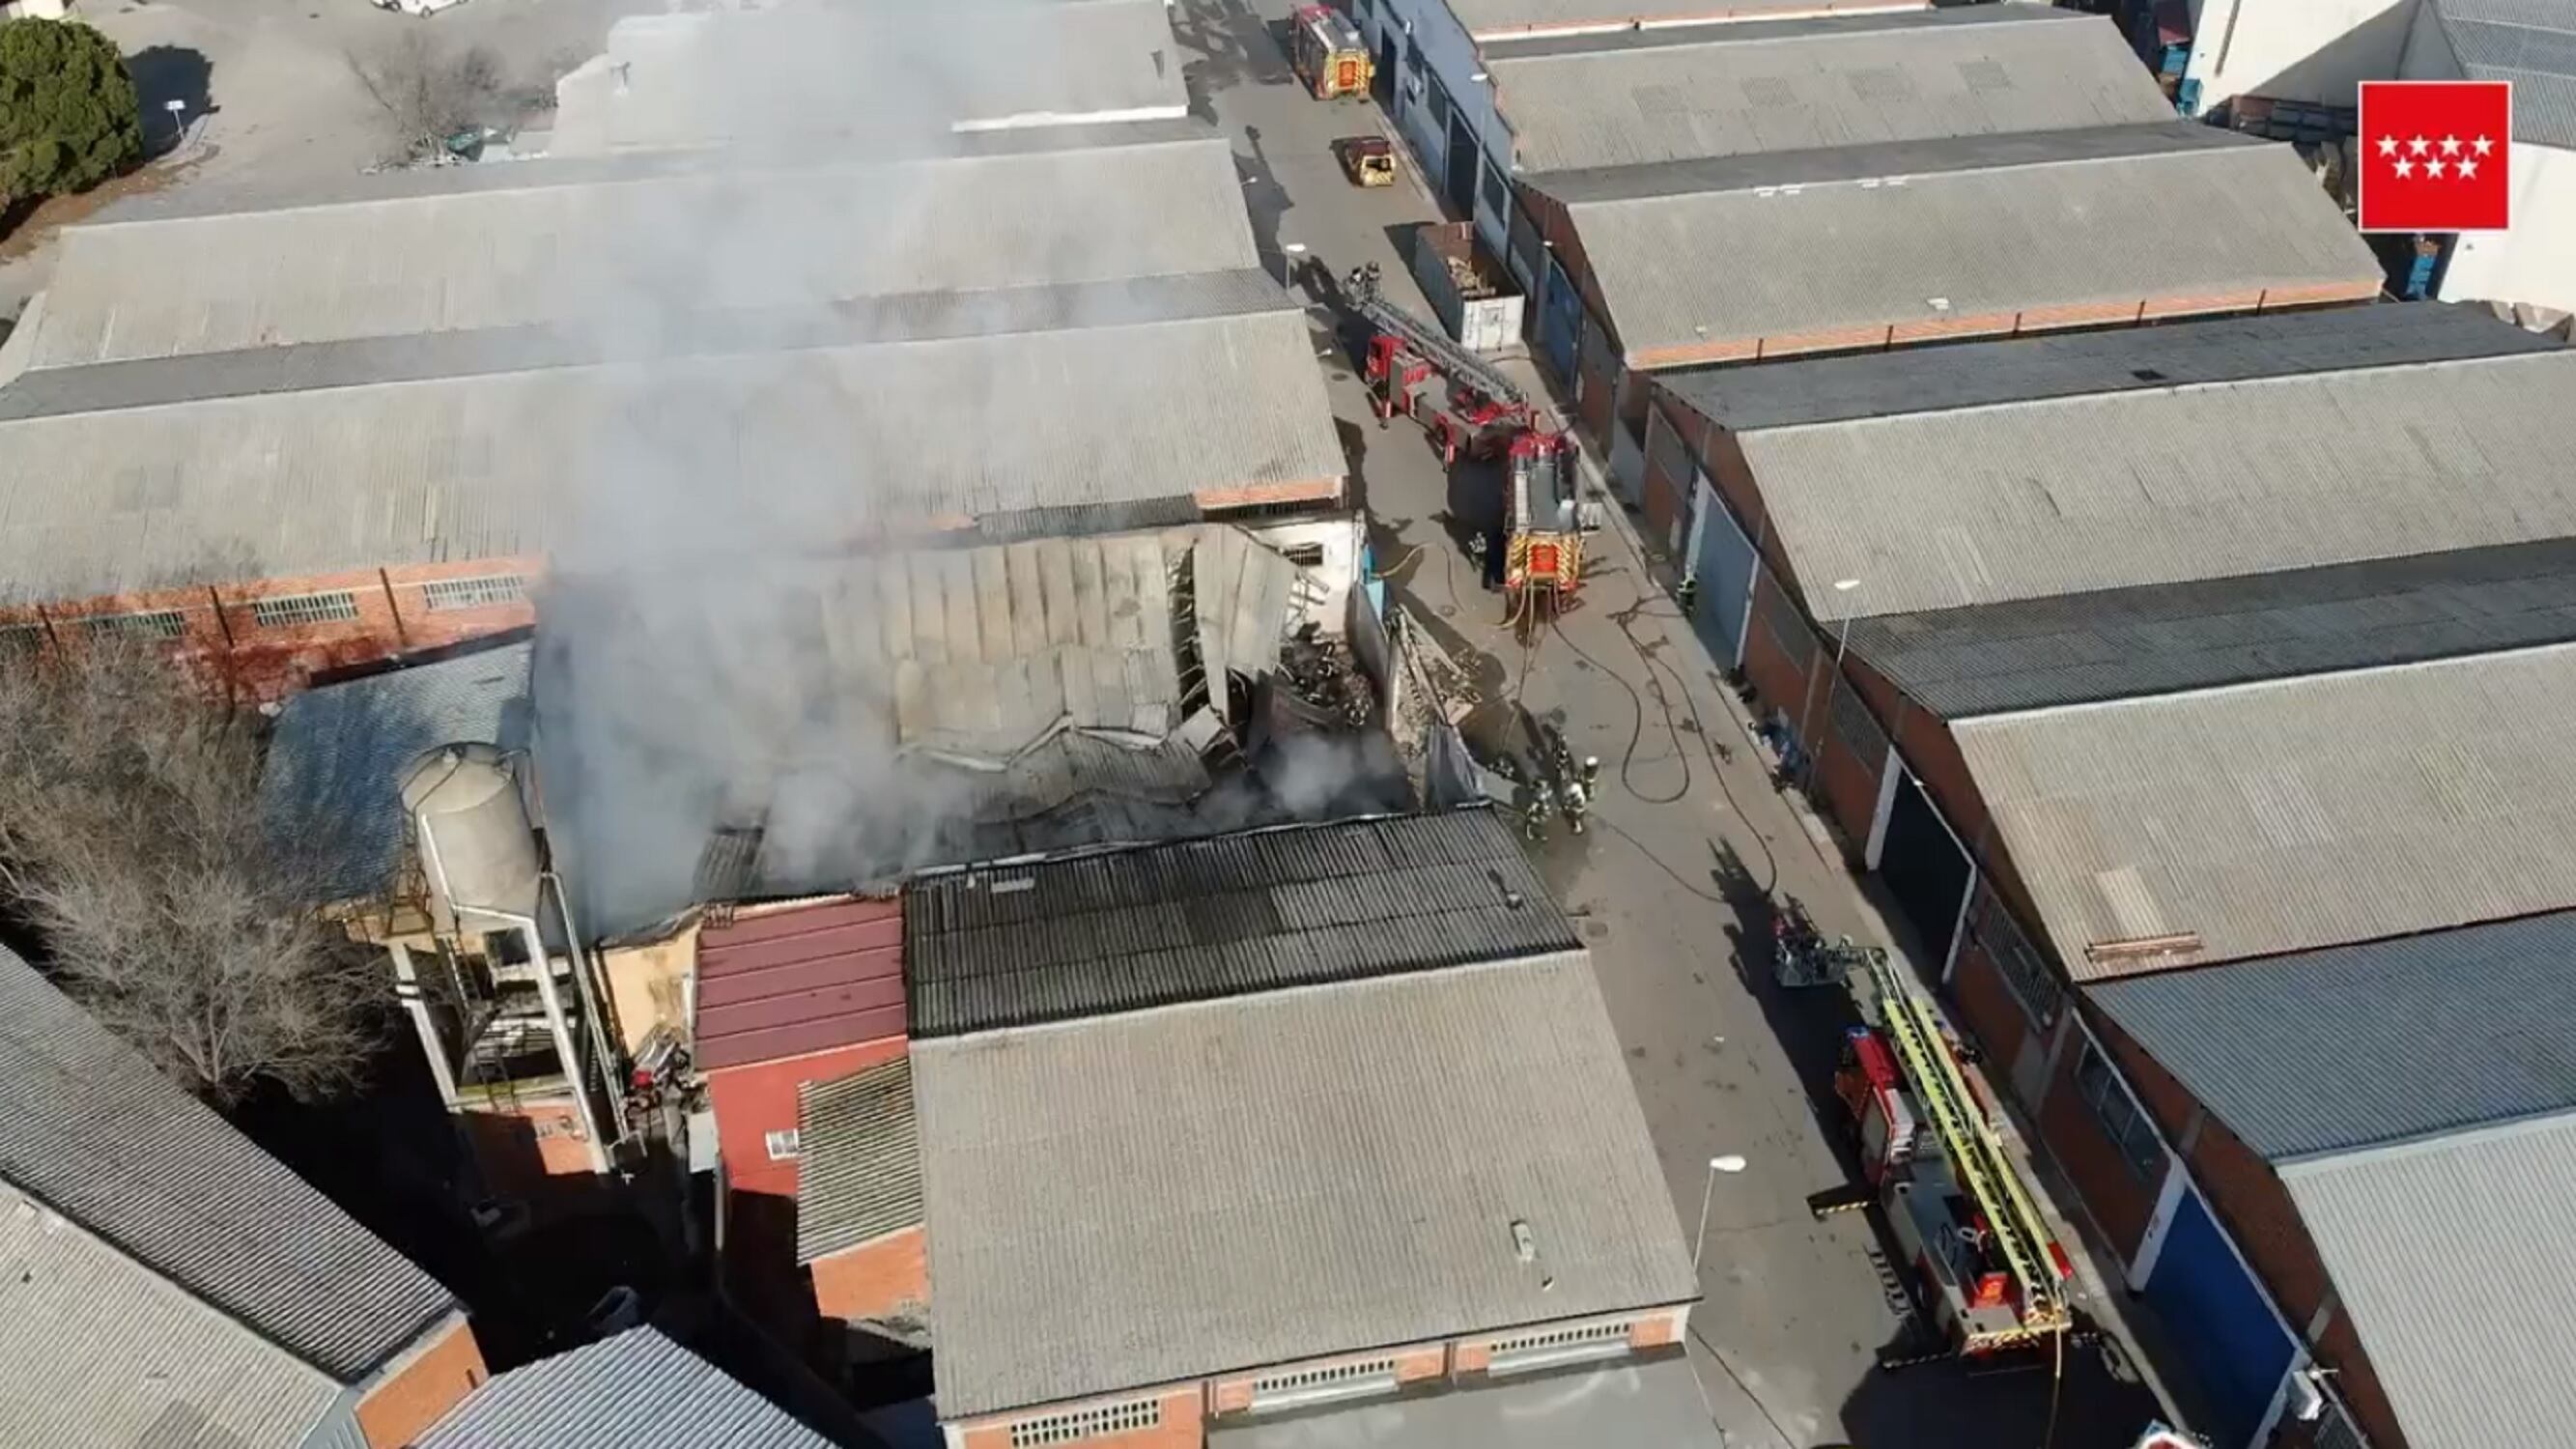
x,y
1689,845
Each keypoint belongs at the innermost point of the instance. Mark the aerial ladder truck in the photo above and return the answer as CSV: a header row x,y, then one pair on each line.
x,y
1986,1268
1472,410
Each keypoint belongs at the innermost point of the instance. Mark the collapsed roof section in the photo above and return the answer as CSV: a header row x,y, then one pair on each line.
x,y
868,717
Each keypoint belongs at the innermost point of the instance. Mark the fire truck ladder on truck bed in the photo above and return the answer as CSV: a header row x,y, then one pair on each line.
x,y
1975,1154
1433,344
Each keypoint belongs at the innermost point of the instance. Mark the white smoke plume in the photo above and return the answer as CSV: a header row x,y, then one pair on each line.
x,y
689,676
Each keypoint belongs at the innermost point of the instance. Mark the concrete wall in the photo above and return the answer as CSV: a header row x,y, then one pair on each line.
x,y
1340,538
2297,50
417,1389
648,985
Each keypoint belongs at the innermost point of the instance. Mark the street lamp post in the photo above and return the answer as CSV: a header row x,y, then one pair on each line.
x,y
1729,1164
1842,641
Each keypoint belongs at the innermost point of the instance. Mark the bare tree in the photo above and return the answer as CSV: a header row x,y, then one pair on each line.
x,y
428,92
132,842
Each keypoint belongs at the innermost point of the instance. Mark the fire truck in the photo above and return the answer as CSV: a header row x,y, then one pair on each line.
x,y
1986,1269
1328,54
1471,410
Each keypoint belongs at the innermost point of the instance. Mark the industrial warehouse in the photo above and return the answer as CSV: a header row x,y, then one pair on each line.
x,y
1388,726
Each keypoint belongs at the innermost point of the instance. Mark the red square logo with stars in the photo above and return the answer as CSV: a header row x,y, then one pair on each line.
x,y
2434,155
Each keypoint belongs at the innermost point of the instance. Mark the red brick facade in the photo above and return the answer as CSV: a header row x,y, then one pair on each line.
x,y
421,1387
348,619
886,1278
750,1102
1187,1408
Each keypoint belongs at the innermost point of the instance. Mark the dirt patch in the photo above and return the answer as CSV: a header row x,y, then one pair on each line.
x,y
27,227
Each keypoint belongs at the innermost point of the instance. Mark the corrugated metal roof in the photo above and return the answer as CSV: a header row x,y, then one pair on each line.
x,y
636,1388
335,753
324,481
985,652
602,254
787,981
2328,1051
2168,638
103,1353
1794,391
2456,1260
1881,161
2179,217
1669,95
780,78
89,1129
1634,1405
793,732
428,356
1152,1196
860,1175
1196,920
1482,18
1985,505
2292,815
2531,43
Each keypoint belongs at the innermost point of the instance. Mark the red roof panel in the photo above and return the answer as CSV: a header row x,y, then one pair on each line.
x,y
801,979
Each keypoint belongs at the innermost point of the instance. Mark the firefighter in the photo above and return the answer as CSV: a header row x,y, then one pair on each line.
x,y
1688,594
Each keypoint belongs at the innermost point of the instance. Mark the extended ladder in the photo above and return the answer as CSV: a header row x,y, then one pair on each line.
x,y
1975,1154
1453,360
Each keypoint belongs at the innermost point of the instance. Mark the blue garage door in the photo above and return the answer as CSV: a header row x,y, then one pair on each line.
x,y
1724,563
2217,1317
1560,322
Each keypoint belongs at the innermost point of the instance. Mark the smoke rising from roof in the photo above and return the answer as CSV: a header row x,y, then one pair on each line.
x,y
696,667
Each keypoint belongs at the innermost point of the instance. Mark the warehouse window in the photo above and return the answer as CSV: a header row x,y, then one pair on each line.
x,y
476,593
1075,1425
786,1144
150,624
292,610
2025,974
2118,1113
1856,726
1304,555
1498,193
1560,1345
1298,1387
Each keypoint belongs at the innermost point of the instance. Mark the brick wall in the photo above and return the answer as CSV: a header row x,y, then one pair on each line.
x,y
2120,1200
311,623
884,1278
422,1386
1179,1426
757,1098
1983,1006
750,1102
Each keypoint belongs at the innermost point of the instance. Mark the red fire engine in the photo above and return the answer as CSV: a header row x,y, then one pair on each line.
x,y
1988,1270
1471,410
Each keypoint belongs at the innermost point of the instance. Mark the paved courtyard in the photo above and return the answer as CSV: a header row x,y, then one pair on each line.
x,y
272,86
1690,843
